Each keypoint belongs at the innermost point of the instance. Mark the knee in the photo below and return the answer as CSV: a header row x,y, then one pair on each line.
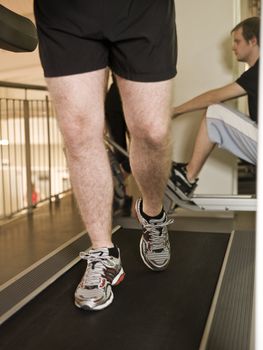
x,y
79,138
214,110
154,134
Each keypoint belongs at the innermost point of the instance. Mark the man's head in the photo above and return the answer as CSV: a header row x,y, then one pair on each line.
x,y
246,39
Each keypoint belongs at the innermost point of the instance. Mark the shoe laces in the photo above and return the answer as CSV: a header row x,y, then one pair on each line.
x,y
96,266
156,238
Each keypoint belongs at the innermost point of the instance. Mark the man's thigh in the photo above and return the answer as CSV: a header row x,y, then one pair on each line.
x,y
79,101
146,105
233,131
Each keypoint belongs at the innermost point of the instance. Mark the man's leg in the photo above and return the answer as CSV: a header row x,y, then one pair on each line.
x,y
222,126
202,149
233,131
230,129
79,102
146,108
183,179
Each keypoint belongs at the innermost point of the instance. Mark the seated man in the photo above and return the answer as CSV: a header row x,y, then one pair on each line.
x,y
222,125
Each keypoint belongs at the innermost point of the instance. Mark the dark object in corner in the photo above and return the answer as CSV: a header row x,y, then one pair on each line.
x,y
17,33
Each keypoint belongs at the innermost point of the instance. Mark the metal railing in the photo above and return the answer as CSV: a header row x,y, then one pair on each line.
x,y
33,167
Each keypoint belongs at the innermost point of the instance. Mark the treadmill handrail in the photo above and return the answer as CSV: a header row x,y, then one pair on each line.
x,y
17,33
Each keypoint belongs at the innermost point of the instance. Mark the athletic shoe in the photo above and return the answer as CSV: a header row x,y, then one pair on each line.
x,y
179,183
154,244
103,271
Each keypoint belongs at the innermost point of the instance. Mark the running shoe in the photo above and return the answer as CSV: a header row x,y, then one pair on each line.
x,y
179,183
103,271
154,244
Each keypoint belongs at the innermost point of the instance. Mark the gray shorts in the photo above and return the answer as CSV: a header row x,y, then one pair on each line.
x,y
233,131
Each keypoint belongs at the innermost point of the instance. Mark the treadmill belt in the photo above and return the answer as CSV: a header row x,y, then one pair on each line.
x,y
151,310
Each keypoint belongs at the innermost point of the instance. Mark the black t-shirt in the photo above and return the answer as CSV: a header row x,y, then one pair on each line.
x,y
249,82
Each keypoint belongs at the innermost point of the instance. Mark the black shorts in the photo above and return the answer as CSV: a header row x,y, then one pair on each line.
x,y
135,38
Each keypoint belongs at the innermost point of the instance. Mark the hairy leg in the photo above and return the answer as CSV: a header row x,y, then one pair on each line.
x,y
79,103
147,112
202,149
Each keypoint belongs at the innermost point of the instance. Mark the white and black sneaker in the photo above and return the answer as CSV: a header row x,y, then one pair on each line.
x,y
179,183
103,271
154,244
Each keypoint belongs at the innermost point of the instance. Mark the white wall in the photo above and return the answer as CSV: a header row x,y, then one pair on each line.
x,y
205,61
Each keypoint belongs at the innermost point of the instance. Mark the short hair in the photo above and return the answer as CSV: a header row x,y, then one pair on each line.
x,y
250,28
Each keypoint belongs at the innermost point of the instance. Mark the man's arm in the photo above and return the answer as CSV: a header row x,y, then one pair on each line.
x,y
208,98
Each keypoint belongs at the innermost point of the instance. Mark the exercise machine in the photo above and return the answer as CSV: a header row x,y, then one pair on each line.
x,y
213,202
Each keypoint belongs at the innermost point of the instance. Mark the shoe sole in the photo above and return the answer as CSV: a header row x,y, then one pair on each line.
x,y
96,308
177,192
117,280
